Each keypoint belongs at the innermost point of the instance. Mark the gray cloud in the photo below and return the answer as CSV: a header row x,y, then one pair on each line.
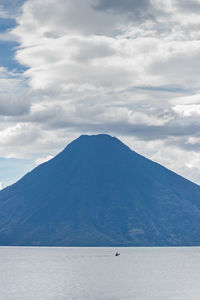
x,y
163,88
192,6
14,105
123,6
71,16
88,51
141,131
138,9
181,67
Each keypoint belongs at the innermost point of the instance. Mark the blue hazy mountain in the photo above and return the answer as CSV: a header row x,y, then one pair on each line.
x,y
98,192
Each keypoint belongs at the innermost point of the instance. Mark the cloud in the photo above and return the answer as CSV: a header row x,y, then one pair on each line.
x,y
136,9
13,105
56,55
7,36
16,137
126,5
13,98
192,6
128,68
3,13
185,61
41,160
66,17
188,110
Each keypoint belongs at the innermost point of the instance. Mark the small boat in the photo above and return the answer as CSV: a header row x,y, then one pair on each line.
x,y
117,254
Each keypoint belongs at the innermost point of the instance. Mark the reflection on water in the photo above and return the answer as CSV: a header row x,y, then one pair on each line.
x,y
96,273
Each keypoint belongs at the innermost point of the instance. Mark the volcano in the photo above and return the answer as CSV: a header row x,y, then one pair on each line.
x,y
98,192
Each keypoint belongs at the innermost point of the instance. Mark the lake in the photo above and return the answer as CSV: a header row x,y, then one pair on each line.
x,y
96,274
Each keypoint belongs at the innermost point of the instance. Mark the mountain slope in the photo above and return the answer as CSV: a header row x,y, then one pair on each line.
x,y
98,192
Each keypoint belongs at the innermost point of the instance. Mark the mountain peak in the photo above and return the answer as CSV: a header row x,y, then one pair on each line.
x,y
98,137
98,142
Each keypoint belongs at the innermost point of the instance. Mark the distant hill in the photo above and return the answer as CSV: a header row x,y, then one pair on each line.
x,y
98,192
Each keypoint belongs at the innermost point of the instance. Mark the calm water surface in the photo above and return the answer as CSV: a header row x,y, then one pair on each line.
x,y
96,274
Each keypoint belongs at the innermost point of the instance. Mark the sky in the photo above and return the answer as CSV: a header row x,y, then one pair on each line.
x,y
129,68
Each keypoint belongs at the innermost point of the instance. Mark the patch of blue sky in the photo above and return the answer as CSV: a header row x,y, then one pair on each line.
x,y
12,6
7,57
6,24
12,169
8,47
